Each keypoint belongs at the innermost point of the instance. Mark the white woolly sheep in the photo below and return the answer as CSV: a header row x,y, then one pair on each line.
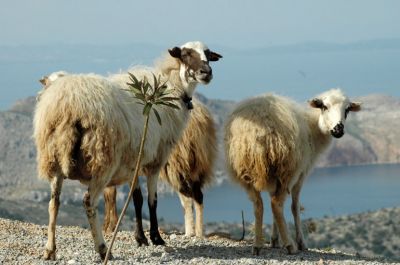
x,y
271,144
188,170
88,128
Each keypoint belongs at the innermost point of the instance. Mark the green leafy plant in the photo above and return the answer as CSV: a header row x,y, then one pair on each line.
x,y
149,96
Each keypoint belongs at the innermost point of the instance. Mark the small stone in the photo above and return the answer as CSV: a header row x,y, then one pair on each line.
x,y
156,254
172,236
164,257
71,261
168,249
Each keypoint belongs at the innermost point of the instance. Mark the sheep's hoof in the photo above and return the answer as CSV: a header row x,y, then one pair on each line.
x,y
256,251
49,254
103,252
275,243
291,249
103,256
141,239
156,238
189,234
201,236
301,246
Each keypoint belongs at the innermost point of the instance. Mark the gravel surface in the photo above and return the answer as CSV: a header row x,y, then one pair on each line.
x,y
23,243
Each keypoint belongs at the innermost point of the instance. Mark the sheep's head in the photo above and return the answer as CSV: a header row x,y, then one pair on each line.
x,y
47,80
335,107
194,58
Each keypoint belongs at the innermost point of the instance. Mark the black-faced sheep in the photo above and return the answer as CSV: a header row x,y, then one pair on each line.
x,y
188,170
88,128
271,144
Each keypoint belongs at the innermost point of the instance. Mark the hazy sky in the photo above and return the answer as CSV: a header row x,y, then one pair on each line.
x,y
239,24
222,24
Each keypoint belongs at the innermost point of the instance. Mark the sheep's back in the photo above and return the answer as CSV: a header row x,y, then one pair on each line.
x,y
84,110
261,141
192,158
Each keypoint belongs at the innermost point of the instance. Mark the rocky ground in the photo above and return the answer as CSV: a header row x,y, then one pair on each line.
x,y
370,234
22,243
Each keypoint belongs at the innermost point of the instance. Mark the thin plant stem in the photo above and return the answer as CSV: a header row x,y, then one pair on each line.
x,y
133,185
243,228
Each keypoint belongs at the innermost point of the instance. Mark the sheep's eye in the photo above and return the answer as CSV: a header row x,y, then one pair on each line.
x,y
186,53
318,103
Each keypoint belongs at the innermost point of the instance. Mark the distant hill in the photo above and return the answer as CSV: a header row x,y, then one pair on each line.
x,y
372,138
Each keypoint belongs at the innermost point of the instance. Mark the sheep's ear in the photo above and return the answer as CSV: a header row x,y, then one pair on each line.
x,y
355,106
316,103
175,52
213,56
43,80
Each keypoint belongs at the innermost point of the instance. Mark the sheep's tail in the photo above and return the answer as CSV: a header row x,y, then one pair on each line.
x,y
58,149
69,147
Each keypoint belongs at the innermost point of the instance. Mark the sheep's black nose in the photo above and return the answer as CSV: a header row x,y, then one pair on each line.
x,y
338,131
206,69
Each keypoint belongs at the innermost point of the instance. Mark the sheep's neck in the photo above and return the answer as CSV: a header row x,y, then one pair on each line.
x,y
183,89
321,140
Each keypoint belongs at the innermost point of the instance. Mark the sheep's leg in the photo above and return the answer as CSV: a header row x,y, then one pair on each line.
x,y
90,202
275,236
198,204
277,202
56,185
110,209
138,202
255,197
296,216
188,213
152,202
